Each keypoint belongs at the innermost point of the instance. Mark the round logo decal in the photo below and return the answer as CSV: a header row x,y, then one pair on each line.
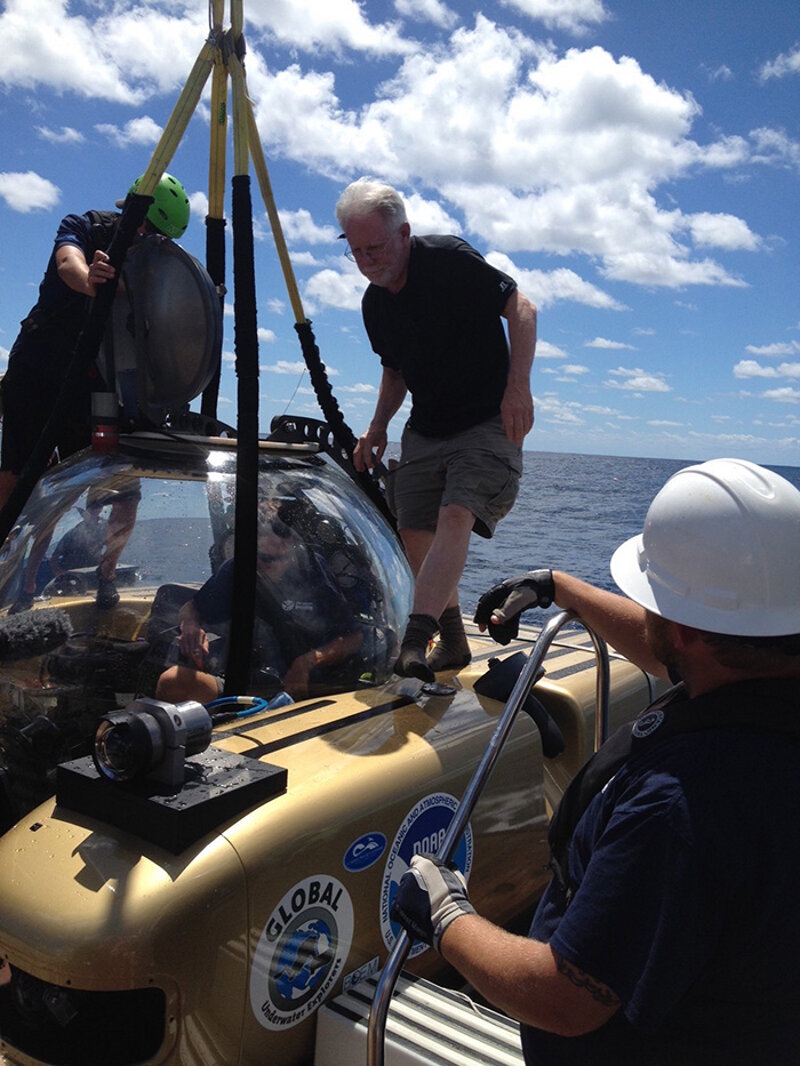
x,y
364,852
301,951
422,830
647,723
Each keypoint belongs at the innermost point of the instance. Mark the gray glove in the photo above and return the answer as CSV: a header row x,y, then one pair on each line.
x,y
510,598
429,897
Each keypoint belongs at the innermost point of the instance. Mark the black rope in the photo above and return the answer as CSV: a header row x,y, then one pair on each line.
x,y
85,351
237,670
215,265
342,434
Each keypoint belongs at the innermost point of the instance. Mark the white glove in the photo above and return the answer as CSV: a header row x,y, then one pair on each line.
x,y
429,897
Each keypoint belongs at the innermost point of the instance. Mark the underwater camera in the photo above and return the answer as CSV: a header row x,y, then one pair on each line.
x,y
151,739
154,772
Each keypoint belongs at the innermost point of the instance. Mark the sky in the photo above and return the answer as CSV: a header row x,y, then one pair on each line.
x,y
634,164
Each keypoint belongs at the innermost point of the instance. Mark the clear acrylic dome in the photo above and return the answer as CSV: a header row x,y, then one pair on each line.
x,y
166,507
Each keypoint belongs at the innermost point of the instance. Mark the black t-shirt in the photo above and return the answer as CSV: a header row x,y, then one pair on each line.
x,y
443,332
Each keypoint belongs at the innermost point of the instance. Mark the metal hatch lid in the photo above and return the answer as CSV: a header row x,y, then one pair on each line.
x,y
154,440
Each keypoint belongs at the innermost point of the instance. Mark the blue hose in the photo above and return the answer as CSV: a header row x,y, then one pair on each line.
x,y
253,704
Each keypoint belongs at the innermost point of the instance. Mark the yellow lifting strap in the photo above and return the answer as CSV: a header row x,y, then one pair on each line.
x,y
220,55
219,120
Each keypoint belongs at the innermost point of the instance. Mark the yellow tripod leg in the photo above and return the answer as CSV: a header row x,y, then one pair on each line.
x,y
260,164
219,122
178,120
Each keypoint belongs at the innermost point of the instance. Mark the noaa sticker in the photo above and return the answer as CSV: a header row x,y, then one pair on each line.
x,y
363,852
648,723
301,951
423,829
355,977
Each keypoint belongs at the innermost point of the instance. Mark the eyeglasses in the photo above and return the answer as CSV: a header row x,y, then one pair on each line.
x,y
371,251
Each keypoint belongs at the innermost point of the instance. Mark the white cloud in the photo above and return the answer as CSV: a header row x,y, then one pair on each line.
x,y
299,226
785,64
556,411
724,153
337,288
428,216
782,395
529,149
602,342
360,388
545,350
749,368
283,366
66,135
548,287
575,16
198,204
433,11
28,191
638,380
722,231
325,24
116,55
775,148
779,348
136,131
720,73
306,259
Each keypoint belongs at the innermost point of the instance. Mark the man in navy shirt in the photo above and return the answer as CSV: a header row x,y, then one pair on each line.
x,y
433,312
671,933
40,355
40,358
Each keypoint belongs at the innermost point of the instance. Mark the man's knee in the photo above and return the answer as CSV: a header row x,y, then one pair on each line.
x,y
166,684
454,516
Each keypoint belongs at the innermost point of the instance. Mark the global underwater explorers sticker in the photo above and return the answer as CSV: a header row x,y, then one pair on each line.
x,y
422,830
301,951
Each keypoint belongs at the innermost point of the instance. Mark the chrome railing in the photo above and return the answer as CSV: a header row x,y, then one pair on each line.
x,y
394,964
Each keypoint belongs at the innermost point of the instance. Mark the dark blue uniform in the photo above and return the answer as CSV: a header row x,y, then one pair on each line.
x,y
39,357
685,871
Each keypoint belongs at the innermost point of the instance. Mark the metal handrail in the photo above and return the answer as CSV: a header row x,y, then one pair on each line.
x,y
388,979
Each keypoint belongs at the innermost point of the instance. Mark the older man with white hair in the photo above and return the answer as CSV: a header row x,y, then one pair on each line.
x,y
433,311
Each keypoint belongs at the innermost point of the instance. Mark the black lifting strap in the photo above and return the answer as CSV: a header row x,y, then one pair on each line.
x,y
334,418
84,352
764,705
237,669
215,264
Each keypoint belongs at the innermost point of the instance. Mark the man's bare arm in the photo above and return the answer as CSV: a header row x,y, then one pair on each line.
x,y
516,408
526,979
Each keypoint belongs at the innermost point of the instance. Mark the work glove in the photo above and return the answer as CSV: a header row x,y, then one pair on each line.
x,y
510,598
429,897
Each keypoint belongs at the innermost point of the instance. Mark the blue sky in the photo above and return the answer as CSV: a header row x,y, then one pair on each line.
x,y
635,164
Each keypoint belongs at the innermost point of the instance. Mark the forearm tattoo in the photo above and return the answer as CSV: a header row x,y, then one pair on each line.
x,y
599,992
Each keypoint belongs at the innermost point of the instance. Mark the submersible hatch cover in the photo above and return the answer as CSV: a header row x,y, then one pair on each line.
x,y
164,338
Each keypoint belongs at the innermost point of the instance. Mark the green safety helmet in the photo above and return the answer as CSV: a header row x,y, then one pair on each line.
x,y
169,212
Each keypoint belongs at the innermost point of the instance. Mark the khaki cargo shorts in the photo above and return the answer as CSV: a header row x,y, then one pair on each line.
x,y
478,469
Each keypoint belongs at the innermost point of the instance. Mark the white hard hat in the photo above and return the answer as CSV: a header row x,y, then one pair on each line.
x,y
720,551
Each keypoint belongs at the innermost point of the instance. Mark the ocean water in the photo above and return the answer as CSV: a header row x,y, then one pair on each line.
x,y
572,511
